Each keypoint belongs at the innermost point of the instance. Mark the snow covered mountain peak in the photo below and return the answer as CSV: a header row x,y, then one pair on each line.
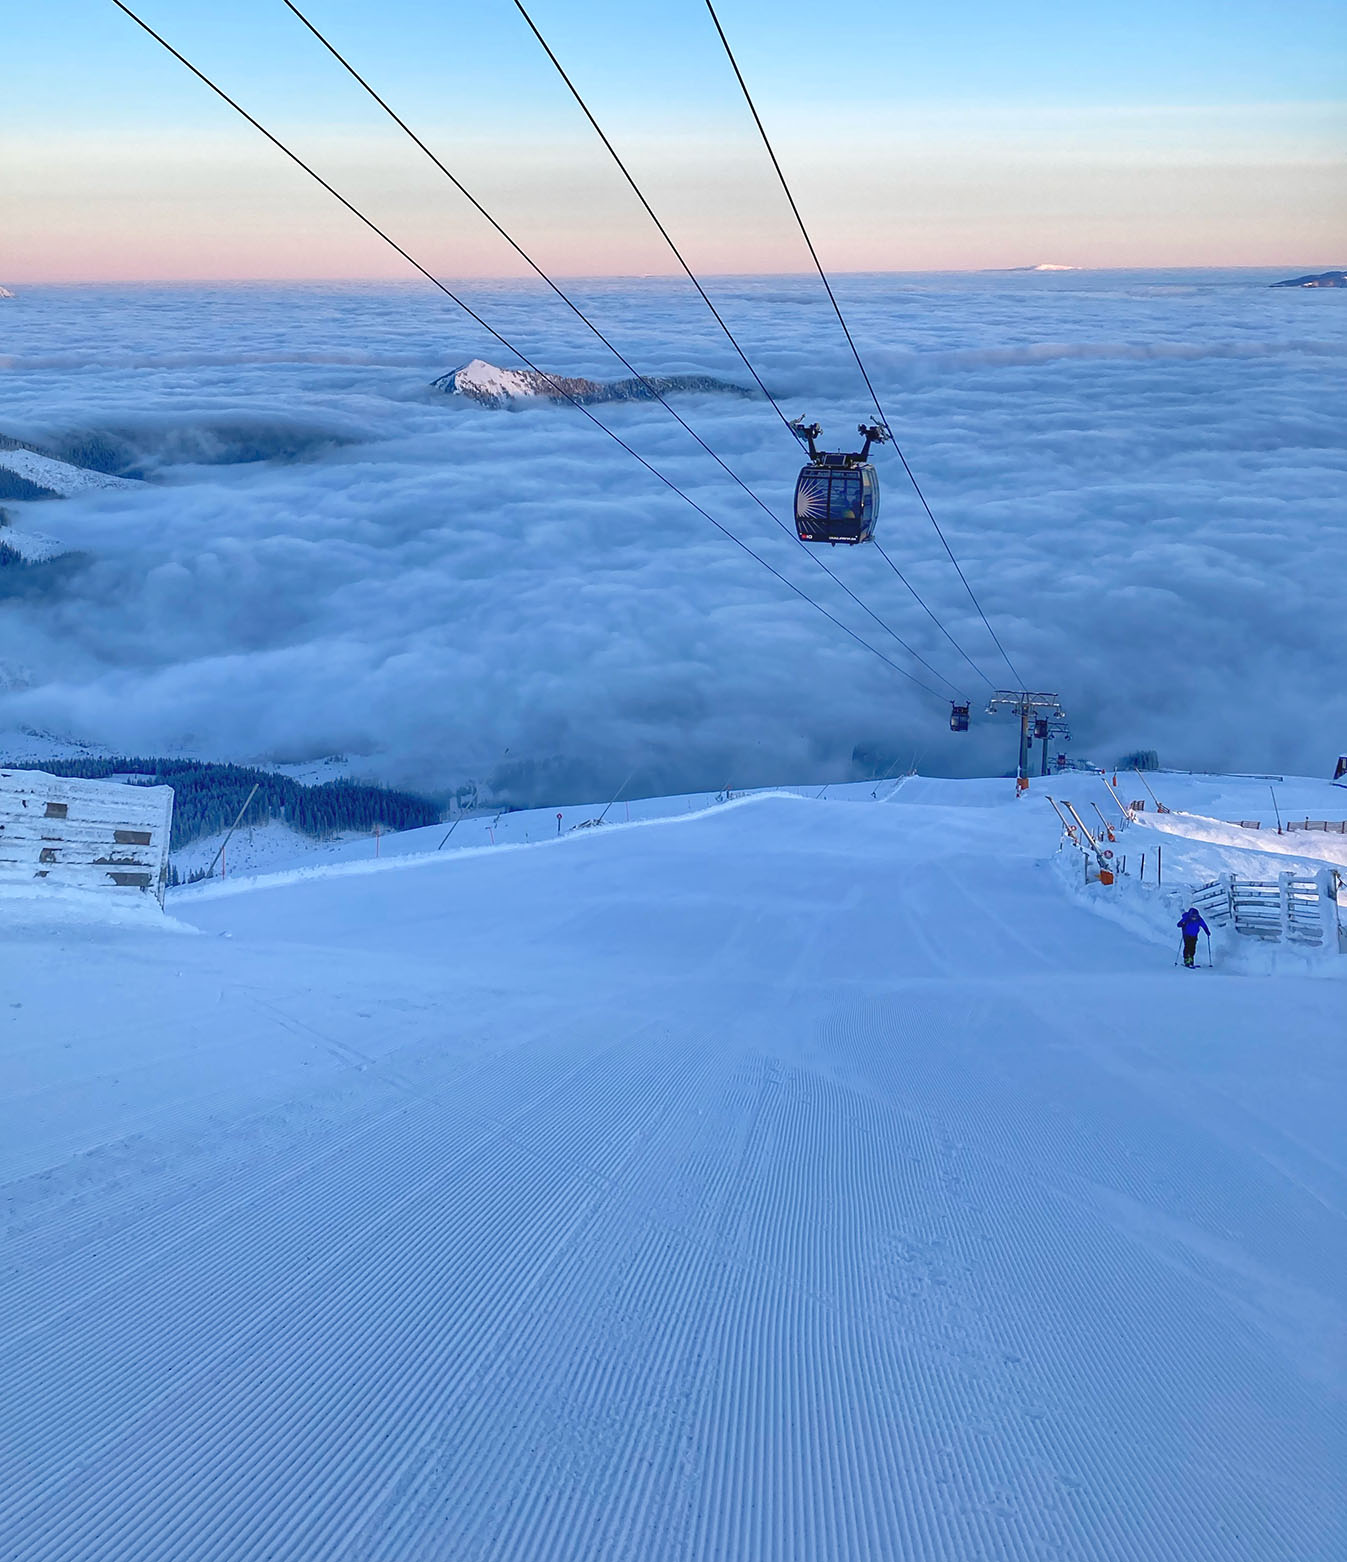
x,y
492,386
486,382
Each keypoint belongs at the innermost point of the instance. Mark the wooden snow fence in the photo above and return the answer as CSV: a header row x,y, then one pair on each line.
x,y
1289,910
95,835
1329,826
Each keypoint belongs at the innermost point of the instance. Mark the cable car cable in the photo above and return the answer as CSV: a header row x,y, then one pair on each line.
x,y
506,343
678,254
823,275
988,681
650,210
616,352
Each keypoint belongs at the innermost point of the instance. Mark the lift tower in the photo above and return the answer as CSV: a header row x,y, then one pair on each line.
x,y
1032,706
1046,728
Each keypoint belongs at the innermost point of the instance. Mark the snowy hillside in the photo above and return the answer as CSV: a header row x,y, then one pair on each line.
x,y
32,547
56,479
790,1177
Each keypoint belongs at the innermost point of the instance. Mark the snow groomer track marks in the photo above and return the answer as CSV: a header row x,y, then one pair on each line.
x,y
800,1180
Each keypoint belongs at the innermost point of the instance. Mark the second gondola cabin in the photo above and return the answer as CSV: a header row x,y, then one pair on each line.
x,y
837,494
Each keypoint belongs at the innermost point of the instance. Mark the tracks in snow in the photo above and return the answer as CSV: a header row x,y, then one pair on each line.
x,y
803,1245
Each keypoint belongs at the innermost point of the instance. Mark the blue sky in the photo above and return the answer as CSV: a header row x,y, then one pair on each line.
x,y
975,135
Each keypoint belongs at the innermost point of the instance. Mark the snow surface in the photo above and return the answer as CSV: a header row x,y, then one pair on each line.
x,y
796,1177
1305,847
61,477
259,848
275,846
27,748
35,547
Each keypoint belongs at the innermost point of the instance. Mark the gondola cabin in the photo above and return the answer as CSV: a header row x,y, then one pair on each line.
x,y
836,503
837,494
958,718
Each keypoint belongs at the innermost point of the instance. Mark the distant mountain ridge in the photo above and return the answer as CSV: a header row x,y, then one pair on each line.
x,y
1319,279
492,386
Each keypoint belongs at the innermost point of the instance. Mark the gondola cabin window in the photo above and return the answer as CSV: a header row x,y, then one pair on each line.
x,y
831,496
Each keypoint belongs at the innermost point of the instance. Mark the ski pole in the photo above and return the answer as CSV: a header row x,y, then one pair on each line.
x,y
1209,949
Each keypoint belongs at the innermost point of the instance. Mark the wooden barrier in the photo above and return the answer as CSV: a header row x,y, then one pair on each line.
x,y
1288,910
95,835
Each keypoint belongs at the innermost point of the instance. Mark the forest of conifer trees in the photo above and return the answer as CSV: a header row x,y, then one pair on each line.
x,y
207,796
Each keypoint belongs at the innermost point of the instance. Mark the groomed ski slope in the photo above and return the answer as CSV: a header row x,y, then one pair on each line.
x,y
791,1180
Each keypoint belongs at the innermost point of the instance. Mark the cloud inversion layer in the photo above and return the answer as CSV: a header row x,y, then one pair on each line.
x,y
1142,474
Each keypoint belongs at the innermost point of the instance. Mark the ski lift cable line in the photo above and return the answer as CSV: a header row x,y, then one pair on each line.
x,y
472,314
990,684
855,353
650,212
734,342
611,346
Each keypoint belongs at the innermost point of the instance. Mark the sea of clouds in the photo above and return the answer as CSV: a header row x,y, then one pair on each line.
x,y
1142,474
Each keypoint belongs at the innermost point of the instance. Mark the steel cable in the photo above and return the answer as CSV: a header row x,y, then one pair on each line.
x,y
734,342
560,389
612,348
841,319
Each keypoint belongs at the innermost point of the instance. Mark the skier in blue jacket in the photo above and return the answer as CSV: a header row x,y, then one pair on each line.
x,y
1190,924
